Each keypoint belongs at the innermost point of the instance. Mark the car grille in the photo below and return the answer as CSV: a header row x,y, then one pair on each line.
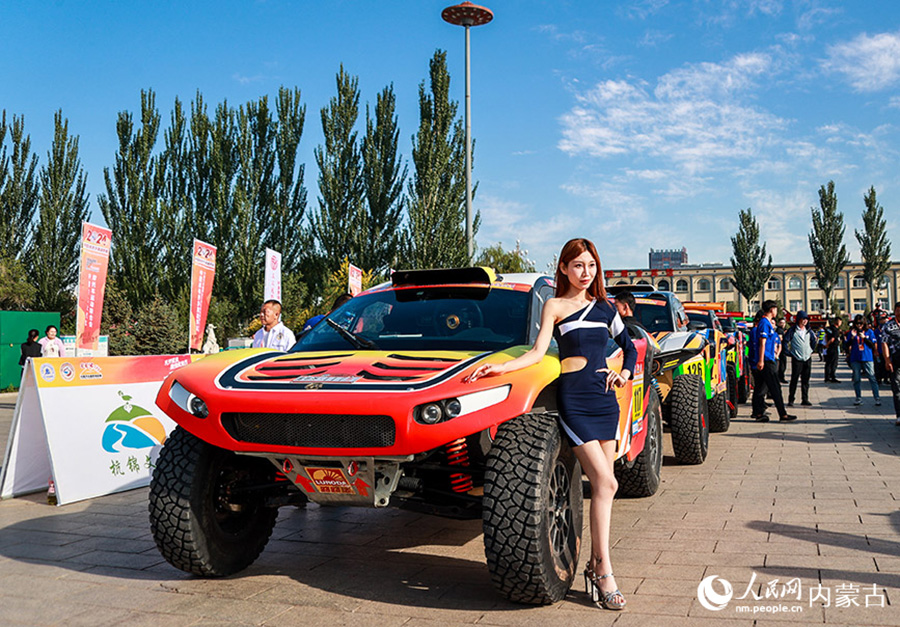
x,y
311,430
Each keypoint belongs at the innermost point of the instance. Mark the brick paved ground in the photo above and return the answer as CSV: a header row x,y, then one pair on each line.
x,y
815,500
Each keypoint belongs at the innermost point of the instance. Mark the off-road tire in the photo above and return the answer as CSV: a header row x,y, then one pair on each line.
x,y
642,477
744,384
719,414
532,511
190,518
689,419
732,391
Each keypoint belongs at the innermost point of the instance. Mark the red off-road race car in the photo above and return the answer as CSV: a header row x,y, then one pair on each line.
x,y
372,408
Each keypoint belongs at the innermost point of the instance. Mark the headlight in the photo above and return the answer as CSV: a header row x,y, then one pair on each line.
x,y
198,407
431,413
449,408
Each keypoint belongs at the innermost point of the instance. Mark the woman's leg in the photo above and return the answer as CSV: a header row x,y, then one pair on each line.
x,y
856,366
869,369
596,460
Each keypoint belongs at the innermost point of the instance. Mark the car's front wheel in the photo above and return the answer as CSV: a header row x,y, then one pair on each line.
x,y
204,516
689,419
533,510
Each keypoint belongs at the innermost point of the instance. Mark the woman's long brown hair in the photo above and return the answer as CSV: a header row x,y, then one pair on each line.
x,y
572,249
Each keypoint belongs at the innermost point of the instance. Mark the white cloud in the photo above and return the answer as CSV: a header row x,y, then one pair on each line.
x,y
540,231
697,118
868,63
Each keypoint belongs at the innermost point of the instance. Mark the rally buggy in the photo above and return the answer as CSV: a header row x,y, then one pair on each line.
x,y
372,408
679,370
721,377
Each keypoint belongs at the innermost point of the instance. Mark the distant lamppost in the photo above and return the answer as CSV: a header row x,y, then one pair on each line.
x,y
468,14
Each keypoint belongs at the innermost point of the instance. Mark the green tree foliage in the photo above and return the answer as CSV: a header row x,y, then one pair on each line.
x,y
338,224
174,218
384,176
156,329
826,240
505,261
15,290
131,204
52,255
18,188
283,224
117,321
435,236
749,262
873,241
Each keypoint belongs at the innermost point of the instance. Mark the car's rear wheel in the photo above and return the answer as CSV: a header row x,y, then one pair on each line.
x,y
689,419
732,392
719,414
532,511
201,519
642,477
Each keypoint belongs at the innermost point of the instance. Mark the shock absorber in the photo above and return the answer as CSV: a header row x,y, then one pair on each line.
x,y
458,455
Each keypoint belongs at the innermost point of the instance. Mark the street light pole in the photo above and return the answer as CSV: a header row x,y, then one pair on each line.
x,y
468,15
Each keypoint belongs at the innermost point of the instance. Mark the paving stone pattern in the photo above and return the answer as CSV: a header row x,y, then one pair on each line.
x,y
814,501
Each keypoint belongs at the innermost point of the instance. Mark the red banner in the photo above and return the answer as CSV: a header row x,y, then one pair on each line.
x,y
203,271
95,244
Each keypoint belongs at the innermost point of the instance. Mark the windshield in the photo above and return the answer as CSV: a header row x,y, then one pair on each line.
x,y
727,324
434,318
701,318
654,317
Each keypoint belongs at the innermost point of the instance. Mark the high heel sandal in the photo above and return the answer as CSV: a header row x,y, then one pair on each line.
x,y
606,600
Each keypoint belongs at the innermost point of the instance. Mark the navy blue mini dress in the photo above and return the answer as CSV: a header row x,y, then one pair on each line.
x,y
587,410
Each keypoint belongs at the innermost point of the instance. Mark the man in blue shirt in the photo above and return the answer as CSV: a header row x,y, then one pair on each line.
x,y
765,365
861,344
891,351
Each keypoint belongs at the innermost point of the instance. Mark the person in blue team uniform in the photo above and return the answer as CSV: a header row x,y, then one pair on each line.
x,y
765,360
582,320
861,343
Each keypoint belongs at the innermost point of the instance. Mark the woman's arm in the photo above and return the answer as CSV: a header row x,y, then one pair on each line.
x,y
629,352
533,356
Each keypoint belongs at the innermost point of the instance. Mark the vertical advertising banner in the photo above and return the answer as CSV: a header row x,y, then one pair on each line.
x,y
95,245
355,281
272,289
203,271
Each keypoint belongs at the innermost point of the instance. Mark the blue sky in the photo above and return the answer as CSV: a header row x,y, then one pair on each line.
x,y
640,124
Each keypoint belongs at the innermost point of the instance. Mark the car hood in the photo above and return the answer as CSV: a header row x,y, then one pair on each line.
x,y
342,370
677,347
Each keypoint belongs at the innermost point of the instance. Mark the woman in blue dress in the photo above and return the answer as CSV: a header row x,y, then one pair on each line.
x,y
582,320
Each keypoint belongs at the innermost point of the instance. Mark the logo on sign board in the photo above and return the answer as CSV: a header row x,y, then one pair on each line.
x,y
273,261
131,427
90,370
48,373
67,371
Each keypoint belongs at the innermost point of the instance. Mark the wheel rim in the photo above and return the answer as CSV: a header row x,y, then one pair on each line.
x,y
559,516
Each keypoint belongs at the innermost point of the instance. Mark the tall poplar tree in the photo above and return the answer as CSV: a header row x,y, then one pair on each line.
x,y
18,188
52,256
384,175
130,204
175,216
873,242
338,224
284,227
750,263
826,241
435,236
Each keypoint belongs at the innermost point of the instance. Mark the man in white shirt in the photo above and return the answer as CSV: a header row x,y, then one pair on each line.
x,y
273,333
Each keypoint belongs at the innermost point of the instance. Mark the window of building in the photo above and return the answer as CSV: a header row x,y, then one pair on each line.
x,y
725,284
754,306
841,283
681,285
885,282
795,283
859,304
773,284
859,281
703,285
841,304
663,286
814,283
817,304
795,305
